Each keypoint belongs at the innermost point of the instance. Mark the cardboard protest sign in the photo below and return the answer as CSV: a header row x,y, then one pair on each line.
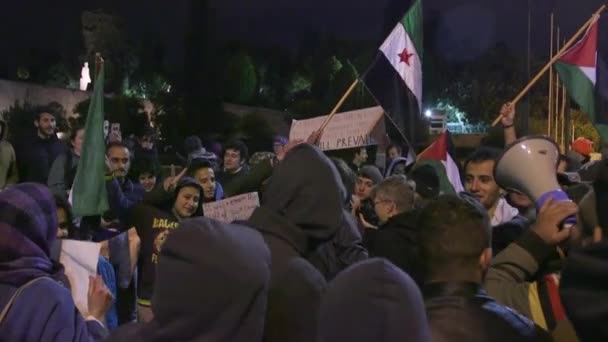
x,y
356,128
234,208
79,258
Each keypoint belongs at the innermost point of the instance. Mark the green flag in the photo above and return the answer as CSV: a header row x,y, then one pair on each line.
x,y
89,195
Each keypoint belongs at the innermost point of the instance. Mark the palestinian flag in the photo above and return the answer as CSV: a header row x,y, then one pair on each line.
x,y
395,77
584,72
443,150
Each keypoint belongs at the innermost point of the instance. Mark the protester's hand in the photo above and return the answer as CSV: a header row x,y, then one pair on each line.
x,y
314,138
550,216
598,234
366,224
290,145
507,114
100,298
355,203
108,167
170,183
104,251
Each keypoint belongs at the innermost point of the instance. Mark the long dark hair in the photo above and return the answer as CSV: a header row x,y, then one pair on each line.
x,y
63,203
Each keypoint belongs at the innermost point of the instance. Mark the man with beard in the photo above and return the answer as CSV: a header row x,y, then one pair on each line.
x,y
36,154
123,194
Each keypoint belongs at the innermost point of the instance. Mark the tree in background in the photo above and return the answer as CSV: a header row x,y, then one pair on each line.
x,y
20,117
239,79
106,34
256,132
126,110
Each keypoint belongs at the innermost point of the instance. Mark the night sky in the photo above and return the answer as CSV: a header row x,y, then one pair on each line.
x,y
464,27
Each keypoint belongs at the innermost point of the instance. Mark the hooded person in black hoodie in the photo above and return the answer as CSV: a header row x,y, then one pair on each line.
x,y
153,226
211,285
346,248
301,208
373,301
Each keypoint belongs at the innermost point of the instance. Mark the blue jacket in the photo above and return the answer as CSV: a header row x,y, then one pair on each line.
x,y
123,197
45,311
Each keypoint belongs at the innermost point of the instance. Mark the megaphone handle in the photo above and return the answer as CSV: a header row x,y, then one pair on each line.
x,y
557,196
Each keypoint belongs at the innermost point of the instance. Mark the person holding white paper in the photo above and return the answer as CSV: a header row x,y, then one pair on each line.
x,y
35,299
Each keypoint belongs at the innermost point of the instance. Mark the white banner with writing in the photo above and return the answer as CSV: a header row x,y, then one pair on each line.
x,y
362,127
232,209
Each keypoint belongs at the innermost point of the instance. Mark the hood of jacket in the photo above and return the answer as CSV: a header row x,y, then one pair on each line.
x,y
377,290
211,284
306,193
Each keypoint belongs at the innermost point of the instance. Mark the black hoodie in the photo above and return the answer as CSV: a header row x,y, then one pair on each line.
x,y
398,241
302,204
301,208
373,301
211,285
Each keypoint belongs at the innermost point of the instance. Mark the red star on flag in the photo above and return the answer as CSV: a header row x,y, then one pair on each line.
x,y
405,57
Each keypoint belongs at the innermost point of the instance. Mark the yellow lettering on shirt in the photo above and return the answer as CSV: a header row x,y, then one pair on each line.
x,y
164,224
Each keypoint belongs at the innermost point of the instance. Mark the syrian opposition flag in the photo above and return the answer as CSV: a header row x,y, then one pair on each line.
x,y
443,150
395,77
584,72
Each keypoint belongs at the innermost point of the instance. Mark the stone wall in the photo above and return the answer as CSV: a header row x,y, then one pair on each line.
x,y
36,94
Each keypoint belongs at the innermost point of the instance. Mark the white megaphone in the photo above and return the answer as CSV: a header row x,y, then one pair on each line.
x,y
529,166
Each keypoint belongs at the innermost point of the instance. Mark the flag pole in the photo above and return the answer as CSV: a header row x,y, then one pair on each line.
x,y
563,118
556,95
550,109
552,61
99,62
339,104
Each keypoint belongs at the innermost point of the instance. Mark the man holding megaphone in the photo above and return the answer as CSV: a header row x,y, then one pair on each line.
x,y
516,278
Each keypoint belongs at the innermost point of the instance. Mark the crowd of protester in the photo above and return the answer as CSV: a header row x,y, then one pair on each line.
x,y
338,250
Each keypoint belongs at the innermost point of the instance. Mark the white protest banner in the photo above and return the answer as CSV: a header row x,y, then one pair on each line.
x,y
234,208
356,128
80,258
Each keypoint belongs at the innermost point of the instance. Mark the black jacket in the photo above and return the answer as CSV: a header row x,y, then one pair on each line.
x,y
345,249
506,233
583,291
397,241
373,301
300,210
463,311
35,157
211,285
